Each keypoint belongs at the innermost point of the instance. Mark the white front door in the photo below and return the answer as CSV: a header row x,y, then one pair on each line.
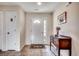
x,y
37,31
1,29
10,20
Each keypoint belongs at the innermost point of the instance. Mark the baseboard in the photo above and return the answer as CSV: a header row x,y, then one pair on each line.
x,y
4,50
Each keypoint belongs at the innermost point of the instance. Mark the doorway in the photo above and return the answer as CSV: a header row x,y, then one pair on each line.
x,y
38,28
38,33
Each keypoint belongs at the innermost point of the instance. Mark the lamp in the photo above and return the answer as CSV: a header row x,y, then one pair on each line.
x,y
57,29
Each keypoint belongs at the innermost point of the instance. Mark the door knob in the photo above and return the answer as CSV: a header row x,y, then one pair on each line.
x,y
8,32
11,19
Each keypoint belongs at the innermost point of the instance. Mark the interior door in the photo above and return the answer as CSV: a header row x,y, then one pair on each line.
x,y
37,31
10,17
1,29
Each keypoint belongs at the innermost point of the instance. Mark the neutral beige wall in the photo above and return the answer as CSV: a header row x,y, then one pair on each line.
x,y
71,28
22,29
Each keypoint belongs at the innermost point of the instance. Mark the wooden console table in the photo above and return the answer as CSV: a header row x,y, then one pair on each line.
x,y
61,43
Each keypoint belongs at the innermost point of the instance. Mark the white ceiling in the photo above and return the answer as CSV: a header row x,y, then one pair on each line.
x,y
33,7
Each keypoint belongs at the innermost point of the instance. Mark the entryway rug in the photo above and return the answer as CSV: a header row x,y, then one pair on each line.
x,y
34,46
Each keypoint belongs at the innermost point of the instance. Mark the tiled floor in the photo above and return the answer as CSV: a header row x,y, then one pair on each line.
x,y
27,51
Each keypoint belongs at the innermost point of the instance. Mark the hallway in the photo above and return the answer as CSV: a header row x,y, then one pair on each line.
x,y
26,23
27,51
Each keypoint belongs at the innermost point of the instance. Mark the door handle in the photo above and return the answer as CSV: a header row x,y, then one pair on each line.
x,y
8,33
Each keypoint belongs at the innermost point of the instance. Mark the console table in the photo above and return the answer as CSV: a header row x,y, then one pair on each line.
x,y
60,43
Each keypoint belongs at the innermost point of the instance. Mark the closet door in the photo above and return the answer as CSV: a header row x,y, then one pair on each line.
x,y
11,18
1,29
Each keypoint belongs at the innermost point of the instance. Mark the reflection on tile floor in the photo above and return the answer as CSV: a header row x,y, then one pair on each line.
x,y
27,51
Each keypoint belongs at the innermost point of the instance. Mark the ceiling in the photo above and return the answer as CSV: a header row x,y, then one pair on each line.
x,y
33,7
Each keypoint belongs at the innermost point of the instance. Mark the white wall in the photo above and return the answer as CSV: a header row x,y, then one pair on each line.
x,y
28,24
71,28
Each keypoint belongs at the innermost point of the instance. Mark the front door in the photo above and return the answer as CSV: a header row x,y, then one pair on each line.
x,y
37,36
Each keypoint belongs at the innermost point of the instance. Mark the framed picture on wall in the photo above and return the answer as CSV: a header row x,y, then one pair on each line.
x,y
62,18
